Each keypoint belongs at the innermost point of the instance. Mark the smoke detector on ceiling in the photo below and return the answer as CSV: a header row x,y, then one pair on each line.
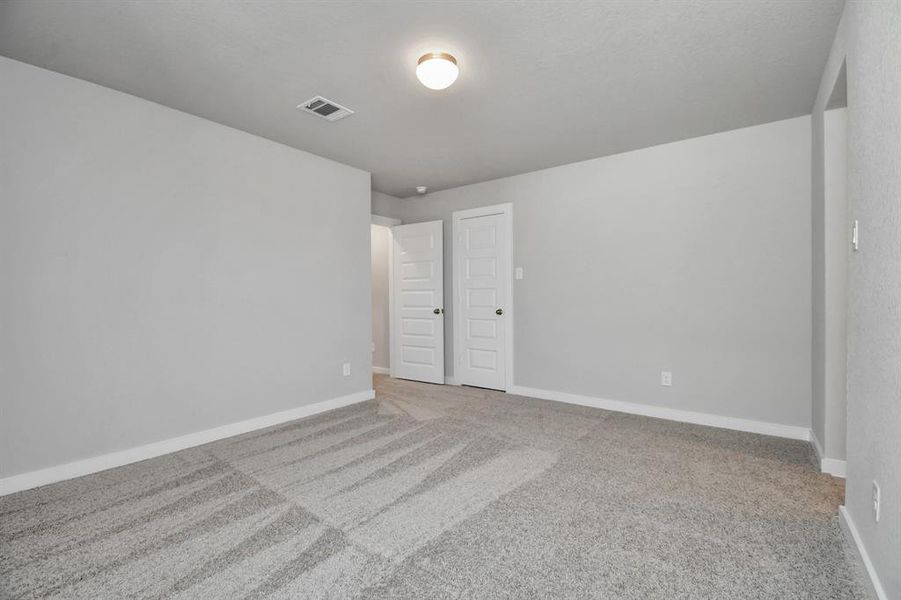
x,y
328,110
421,190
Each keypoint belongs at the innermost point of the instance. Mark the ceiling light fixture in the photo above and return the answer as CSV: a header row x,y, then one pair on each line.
x,y
437,70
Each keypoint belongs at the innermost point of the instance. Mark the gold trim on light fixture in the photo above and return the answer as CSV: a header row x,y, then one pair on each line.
x,y
440,55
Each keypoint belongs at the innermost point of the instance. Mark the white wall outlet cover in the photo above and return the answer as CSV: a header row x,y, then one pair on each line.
x,y
855,235
518,273
346,369
666,378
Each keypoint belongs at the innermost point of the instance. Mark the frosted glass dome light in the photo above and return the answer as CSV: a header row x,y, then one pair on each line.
x,y
437,70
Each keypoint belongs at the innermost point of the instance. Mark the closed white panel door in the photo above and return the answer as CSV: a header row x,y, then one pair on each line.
x,y
481,248
418,320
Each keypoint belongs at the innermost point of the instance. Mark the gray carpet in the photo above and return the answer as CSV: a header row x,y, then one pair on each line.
x,y
442,492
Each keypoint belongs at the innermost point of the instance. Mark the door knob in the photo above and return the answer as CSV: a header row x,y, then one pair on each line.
x,y
499,311
438,311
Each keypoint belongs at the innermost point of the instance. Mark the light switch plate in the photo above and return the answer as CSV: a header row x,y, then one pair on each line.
x,y
876,501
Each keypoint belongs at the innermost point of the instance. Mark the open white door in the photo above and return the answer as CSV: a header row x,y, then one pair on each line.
x,y
417,343
483,300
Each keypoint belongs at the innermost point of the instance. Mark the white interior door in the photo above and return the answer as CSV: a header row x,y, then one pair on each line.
x,y
482,296
417,343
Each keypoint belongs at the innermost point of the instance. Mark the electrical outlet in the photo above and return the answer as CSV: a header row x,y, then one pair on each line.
x,y
518,273
876,501
347,369
666,378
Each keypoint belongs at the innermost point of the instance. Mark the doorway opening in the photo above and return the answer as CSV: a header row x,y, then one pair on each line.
x,y
381,240
834,242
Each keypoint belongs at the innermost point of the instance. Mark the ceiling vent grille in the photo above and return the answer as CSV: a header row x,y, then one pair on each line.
x,y
328,110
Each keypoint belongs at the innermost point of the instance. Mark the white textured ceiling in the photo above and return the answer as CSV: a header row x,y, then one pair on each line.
x,y
541,83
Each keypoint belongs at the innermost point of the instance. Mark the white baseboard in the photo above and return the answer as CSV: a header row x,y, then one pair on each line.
x,y
848,525
381,370
830,466
817,446
672,414
95,464
834,467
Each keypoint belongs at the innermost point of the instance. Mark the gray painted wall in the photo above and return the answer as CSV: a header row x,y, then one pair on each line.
x,y
831,246
380,239
161,274
387,206
818,293
837,247
692,257
869,39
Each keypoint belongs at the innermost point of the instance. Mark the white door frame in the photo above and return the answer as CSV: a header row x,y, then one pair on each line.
x,y
389,223
505,209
